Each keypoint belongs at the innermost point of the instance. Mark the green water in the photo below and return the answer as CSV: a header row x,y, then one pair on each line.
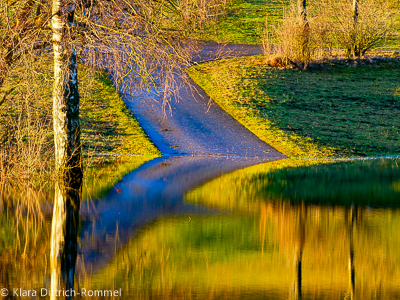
x,y
326,231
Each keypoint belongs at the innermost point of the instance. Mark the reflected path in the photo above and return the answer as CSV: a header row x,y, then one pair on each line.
x,y
154,190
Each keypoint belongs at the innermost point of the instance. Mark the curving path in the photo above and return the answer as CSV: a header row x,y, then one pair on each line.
x,y
200,141
196,124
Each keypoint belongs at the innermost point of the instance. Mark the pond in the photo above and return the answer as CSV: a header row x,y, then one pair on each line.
x,y
189,227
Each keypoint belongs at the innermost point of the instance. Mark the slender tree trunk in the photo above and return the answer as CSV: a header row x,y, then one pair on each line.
x,y
302,7
303,39
356,50
65,94
355,11
67,148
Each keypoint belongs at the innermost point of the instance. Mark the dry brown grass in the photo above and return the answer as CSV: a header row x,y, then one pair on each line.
x,y
329,31
297,44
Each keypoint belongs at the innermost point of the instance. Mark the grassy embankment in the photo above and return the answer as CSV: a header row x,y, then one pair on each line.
x,y
336,111
109,127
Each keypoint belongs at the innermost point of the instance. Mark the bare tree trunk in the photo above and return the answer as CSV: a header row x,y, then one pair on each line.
x,y
355,11
302,7
65,94
356,50
303,39
67,148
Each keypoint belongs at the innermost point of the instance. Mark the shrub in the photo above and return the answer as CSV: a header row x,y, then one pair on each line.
x,y
296,43
331,25
336,17
26,140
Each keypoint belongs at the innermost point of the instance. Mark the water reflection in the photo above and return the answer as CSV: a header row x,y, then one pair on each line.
x,y
64,233
350,218
266,232
354,241
261,257
299,247
154,190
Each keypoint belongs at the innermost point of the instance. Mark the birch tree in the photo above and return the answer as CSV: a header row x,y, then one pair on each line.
x,y
124,37
140,42
65,92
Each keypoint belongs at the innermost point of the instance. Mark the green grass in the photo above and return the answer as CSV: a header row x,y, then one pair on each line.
x,y
107,124
337,111
108,127
244,22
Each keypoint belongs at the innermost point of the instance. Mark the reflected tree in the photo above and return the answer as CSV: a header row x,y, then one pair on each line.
x,y
301,218
64,233
291,222
352,215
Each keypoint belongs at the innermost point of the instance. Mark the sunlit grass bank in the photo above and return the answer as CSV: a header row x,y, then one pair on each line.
x,y
108,127
338,110
107,124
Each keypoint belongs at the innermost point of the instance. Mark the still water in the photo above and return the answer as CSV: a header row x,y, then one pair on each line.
x,y
180,228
